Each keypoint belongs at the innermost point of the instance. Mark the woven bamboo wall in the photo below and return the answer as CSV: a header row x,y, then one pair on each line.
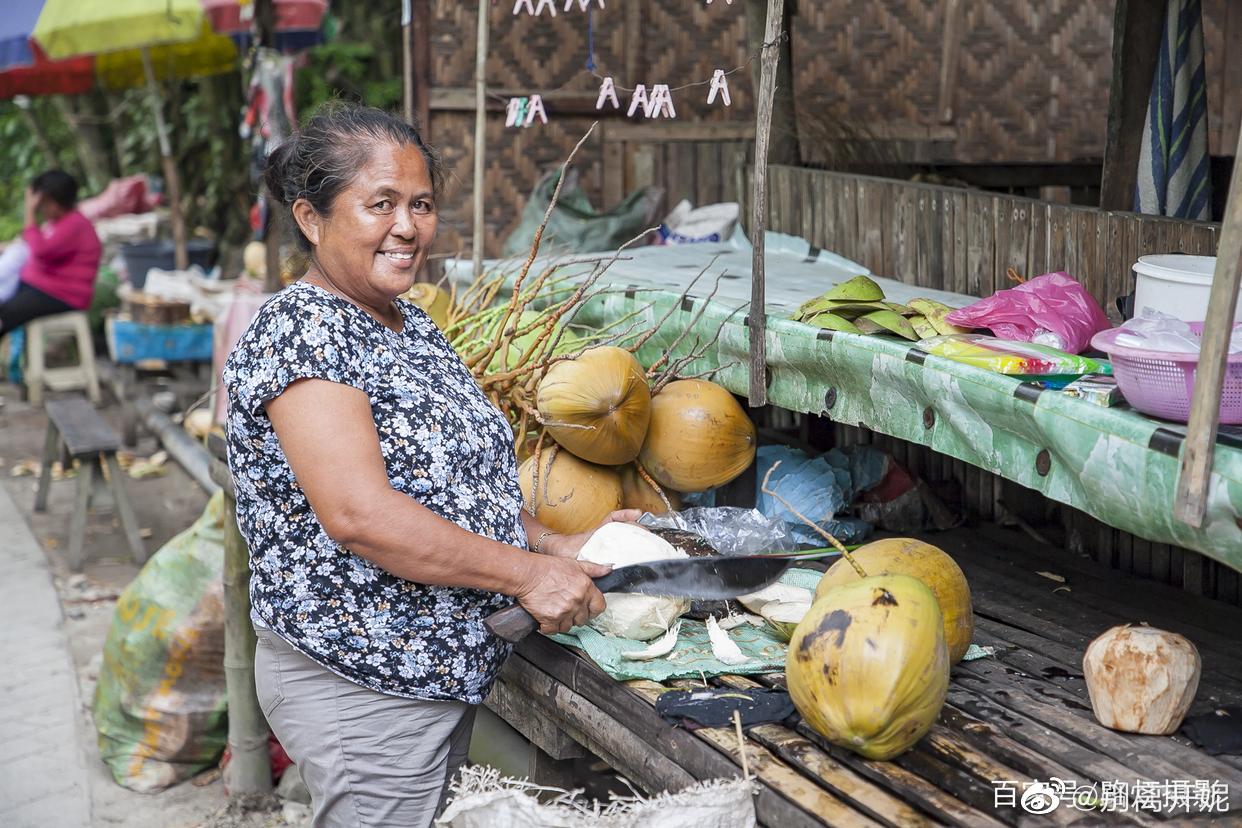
x,y
1032,84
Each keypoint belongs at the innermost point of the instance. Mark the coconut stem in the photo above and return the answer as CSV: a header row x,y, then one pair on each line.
x,y
533,506
826,536
654,485
668,352
534,248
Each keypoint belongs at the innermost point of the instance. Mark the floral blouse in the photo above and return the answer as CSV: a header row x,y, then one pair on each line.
x,y
444,444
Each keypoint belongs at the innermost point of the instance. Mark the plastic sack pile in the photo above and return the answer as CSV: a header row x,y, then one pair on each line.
x,y
481,798
575,223
160,704
1052,310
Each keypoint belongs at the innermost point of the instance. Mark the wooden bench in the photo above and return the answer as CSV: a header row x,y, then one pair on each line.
x,y
75,431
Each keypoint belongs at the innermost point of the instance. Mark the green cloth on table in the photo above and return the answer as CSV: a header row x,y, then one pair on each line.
x,y
692,657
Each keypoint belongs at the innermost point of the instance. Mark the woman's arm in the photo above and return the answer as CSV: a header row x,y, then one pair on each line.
x,y
51,249
567,546
328,436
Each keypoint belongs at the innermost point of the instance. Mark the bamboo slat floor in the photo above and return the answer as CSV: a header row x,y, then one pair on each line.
x,y
1019,716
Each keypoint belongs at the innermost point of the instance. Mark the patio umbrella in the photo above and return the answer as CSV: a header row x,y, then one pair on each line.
x,y
173,36
297,22
24,69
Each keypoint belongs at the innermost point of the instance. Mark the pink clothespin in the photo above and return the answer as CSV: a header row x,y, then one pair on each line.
x,y
720,84
516,113
535,110
607,92
662,102
535,9
638,99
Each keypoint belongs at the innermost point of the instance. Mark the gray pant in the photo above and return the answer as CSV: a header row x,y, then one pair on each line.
x,y
368,759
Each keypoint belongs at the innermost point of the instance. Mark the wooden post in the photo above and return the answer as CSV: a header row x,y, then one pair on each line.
x,y
249,769
480,134
172,181
265,32
407,62
758,395
419,40
1195,477
950,50
783,142
1138,26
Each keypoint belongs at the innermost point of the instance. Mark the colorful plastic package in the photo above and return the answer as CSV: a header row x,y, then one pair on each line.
x,y
1025,360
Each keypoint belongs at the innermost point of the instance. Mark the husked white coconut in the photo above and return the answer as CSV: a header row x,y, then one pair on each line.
x,y
1141,679
776,593
640,617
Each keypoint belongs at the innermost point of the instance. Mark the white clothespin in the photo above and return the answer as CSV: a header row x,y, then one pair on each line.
x,y
640,99
720,84
730,2
582,4
516,112
535,110
662,102
535,9
607,92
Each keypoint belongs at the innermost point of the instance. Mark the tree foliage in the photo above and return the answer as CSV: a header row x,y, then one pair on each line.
x,y
362,62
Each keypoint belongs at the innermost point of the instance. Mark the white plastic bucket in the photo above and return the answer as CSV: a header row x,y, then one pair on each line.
x,y
1176,284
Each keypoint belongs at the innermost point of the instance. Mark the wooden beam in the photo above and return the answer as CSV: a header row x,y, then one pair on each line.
x,y
758,391
1137,28
416,63
783,148
480,136
1196,471
407,62
249,770
950,50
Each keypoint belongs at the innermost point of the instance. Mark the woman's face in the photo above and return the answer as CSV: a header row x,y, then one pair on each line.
x,y
381,226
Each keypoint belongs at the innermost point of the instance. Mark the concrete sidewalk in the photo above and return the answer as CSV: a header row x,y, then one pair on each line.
x,y
43,779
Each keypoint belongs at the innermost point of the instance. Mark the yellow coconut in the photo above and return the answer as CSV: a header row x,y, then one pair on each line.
x,y
637,493
572,495
910,556
433,299
597,405
867,666
699,437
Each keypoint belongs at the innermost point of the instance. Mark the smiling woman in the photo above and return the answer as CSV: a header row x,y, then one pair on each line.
x,y
377,490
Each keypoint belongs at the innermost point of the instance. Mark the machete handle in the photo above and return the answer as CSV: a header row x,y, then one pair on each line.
x,y
515,623
512,624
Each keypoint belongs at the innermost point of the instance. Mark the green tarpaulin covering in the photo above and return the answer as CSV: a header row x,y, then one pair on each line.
x,y
1114,464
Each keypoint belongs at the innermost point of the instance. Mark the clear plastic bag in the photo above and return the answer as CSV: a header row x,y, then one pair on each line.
x,y
1156,331
729,529
1052,310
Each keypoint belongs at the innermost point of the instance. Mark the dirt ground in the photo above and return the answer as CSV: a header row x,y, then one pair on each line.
x,y
165,505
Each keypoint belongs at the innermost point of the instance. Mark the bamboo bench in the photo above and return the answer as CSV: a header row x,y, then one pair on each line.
x,y
75,431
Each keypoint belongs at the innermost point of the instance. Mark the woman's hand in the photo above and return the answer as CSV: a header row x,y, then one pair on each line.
x,y
568,546
561,594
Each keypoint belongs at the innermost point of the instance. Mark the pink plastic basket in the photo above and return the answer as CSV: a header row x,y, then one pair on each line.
x,y
1162,384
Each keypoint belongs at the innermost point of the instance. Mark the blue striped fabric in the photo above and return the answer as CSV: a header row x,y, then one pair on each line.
x,y
1173,175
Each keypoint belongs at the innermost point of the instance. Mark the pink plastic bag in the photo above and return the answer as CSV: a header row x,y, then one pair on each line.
x,y
1052,310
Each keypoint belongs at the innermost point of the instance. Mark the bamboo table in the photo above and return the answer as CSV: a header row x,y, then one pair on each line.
x,y
1020,716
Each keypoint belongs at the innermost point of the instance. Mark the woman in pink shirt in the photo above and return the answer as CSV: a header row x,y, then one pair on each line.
x,y
64,258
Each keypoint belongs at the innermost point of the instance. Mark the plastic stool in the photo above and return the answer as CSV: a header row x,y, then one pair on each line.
x,y
71,378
